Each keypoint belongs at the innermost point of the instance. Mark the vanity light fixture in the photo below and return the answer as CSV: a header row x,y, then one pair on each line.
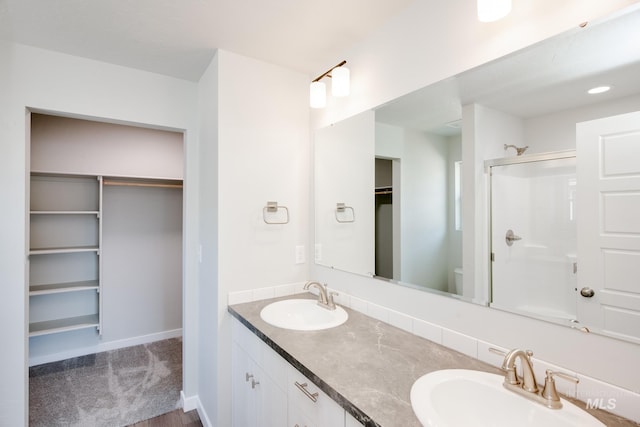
x,y
599,89
339,85
317,95
492,10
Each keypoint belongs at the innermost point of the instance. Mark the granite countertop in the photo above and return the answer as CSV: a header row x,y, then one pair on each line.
x,y
365,365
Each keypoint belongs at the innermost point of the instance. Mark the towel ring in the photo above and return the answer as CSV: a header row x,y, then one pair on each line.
x,y
272,208
341,208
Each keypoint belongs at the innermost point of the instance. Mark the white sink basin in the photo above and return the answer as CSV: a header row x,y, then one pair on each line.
x,y
302,315
461,398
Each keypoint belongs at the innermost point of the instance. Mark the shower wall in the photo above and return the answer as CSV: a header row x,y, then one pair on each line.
x,y
535,274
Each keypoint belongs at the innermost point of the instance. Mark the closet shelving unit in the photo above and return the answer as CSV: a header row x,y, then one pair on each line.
x,y
65,247
65,235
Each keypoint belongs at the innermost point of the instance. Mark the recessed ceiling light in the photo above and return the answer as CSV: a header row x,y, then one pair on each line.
x,y
599,89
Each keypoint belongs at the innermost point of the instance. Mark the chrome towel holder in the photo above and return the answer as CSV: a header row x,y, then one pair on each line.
x,y
342,208
273,208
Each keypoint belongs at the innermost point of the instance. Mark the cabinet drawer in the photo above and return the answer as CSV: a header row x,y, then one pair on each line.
x,y
311,403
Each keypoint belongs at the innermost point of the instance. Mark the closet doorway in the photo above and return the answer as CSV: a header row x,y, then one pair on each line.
x,y
104,272
384,218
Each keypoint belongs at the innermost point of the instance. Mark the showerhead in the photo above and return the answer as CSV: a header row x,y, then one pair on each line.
x,y
519,150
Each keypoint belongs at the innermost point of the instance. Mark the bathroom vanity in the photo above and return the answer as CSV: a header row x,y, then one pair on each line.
x,y
359,373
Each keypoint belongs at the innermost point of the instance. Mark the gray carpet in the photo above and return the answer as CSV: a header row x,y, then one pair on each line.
x,y
114,388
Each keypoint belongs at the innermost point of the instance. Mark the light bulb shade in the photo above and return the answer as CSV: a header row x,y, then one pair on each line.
x,y
317,95
492,10
340,81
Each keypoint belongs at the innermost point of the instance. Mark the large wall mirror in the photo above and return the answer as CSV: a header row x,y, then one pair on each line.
x,y
392,196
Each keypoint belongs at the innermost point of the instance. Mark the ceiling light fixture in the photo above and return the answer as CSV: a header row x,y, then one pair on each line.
x,y
599,89
339,85
492,10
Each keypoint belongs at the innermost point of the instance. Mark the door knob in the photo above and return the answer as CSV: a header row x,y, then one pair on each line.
x,y
587,292
510,237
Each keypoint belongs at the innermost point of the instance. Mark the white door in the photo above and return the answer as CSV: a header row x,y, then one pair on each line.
x,y
608,220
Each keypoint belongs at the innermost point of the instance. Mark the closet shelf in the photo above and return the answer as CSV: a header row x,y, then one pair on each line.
x,y
383,190
65,213
63,325
143,182
68,250
57,288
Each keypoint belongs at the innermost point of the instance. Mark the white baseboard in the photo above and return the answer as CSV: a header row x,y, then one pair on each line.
x,y
189,403
193,402
105,346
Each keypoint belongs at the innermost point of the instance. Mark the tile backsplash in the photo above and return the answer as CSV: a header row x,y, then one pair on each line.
x,y
593,392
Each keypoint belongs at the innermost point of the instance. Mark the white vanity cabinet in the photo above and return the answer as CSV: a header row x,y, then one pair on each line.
x,y
268,391
258,382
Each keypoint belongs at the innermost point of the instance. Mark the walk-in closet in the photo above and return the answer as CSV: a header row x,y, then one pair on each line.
x,y
105,245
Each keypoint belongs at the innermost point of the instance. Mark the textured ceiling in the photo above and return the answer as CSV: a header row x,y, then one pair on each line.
x,y
178,37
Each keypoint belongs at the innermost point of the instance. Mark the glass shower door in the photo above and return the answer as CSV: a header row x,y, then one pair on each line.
x,y
533,239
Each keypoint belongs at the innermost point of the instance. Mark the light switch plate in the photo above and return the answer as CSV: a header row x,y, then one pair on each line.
x,y
300,254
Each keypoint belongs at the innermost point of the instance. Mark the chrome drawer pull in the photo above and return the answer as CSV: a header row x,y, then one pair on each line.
x,y
303,388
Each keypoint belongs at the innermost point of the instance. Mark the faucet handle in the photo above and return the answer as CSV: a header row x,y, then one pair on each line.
x,y
330,302
549,392
564,376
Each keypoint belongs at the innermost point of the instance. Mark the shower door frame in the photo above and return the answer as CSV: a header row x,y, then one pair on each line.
x,y
505,161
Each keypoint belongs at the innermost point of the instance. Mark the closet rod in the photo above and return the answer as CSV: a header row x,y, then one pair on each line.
x,y
141,184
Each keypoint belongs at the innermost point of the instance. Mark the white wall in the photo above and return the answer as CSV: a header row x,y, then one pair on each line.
x,y
208,298
35,78
557,131
423,203
486,131
66,145
345,174
255,148
455,236
398,59
424,210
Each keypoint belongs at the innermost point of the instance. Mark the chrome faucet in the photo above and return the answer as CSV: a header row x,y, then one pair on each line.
x,y
325,299
509,366
526,386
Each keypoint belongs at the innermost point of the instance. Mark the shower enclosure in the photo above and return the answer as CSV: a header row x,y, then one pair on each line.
x,y
533,235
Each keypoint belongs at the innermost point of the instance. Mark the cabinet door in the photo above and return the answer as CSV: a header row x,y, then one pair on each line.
x,y
271,405
265,393
243,406
310,404
257,399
